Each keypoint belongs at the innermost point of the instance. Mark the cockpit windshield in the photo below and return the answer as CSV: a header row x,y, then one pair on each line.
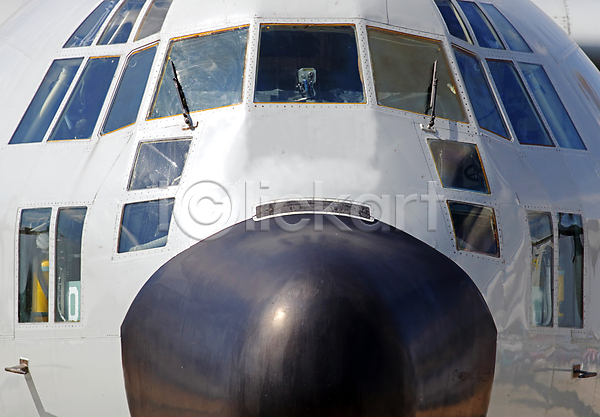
x,y
308,63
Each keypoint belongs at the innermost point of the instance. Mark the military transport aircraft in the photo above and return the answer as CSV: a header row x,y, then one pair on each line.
x,y
318,208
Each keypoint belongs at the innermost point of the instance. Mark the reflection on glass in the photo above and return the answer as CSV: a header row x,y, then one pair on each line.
x,y
120,25
403,71
145,225
542,253
522,115
34,265
484,32
126,104
210,68
513,38
570,270
45,103
154,18
553,109
453,20
308,63
459,165
483,102
79,117
159,164
86,32
69,231
474,228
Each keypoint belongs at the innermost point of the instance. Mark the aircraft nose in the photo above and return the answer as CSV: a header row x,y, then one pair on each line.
x,y
318,322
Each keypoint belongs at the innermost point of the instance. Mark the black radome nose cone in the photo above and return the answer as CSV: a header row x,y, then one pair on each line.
x,y
311,323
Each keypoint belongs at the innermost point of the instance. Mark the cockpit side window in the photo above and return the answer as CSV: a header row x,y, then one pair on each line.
x,y
308,64
542,255
34,266
45,103
484,32
454,22
483,102
87,31
153,21
403,72
120,26
145,225
552,107
159,164
130,92
512,37
69,231
523,116
210,68
570,270
474,228
459,165
79,117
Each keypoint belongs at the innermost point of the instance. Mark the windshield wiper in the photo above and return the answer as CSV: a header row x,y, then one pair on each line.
x,y
182,101
433,99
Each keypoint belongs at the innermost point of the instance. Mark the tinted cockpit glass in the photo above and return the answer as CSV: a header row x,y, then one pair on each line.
x,y
459,165
210,68
308,63
474,228
45,103
86,32
513,38
484,32
520,110
120,25
79,117
403,71
453,20
483,102
154,18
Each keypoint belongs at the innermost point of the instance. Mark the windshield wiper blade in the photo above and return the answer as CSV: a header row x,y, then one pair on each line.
x,y
433,99
182,101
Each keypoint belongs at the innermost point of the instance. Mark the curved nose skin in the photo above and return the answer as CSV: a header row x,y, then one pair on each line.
x,y
311,323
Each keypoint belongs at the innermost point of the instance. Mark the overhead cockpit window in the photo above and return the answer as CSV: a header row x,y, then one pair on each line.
x,y
454,22
130,92
210,68
153,21
552,107
69,232
145,225
120,26
474,228
34,266
484,32
87,31
45,103
308,64
513,38
542,255
403,68
483,102
570,270
79,117
523,116
459,165
159,164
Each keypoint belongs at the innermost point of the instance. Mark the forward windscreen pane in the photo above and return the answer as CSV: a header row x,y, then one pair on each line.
x,y
513,38
484,32
154,18
453,20
483,102
159,164
83,108
458,165
552,107
126,104
210,69
474,228
520,110
45,103
121,24
86,32
145,225
542,255
308,63
403,72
